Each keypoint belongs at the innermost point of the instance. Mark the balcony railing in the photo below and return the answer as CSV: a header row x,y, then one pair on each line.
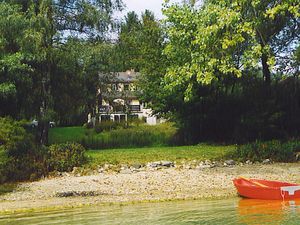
x,y
135,108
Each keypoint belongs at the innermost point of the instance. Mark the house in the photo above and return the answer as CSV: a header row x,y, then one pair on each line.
x,y
117,99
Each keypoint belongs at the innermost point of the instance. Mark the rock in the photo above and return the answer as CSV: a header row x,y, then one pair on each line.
x,y
207,162
187,167
229,162
266,161
297,156
75,170
107,166
167,163
126,171
200,167
136,166
248,162
153,164
101,170
65,174
65,194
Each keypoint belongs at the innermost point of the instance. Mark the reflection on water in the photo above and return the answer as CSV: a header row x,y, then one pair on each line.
x,y
229,211
254,211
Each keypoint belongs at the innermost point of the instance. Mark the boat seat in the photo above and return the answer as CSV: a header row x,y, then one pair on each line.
x,y
290,189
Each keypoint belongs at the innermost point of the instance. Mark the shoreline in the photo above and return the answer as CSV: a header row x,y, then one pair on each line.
x,y
170,184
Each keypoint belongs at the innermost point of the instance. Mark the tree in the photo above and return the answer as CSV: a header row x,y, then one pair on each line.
x,y
128,42
224,38
50,24
14,73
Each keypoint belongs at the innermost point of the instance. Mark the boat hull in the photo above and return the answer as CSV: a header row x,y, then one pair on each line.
x,y
264,189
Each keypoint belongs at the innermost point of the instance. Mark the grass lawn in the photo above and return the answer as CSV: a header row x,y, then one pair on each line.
x,y
65,134
144,155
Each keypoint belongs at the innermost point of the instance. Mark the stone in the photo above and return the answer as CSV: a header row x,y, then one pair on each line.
x,y
248,162
153,164
136,166
167,163
200,167
266,161
65,194
207,162
229,162
187,167
126,171
75,170
297,156
101,170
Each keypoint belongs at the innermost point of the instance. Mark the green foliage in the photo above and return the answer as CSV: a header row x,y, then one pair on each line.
x,y
139,136
224,38
275,150
151,154
108,126
133,136
63,157
20,159
49,57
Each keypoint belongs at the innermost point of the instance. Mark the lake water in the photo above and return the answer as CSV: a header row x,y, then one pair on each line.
x,y
229,211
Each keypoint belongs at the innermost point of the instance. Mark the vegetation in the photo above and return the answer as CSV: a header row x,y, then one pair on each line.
x,y
222,71
274,150
20,159
133,136
63,157
230,71
48,67
145,155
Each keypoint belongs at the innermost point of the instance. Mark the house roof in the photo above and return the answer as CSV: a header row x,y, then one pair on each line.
x,y
121,77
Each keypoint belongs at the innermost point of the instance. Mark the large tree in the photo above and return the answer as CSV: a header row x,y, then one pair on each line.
x,y
224,38
38,46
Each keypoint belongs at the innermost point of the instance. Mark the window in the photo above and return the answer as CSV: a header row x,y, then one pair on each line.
x,y
114,87
126,87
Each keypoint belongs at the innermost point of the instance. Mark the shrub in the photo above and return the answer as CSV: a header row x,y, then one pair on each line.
x,y
108,126
20,159
63,157
88,125
274,150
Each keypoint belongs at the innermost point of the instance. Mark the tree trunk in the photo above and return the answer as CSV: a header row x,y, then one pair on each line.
x,y
266,69
43,130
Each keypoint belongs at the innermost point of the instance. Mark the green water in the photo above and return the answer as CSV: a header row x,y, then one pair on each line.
x,y
229,211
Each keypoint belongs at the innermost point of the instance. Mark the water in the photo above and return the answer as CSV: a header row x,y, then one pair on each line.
x,y
229,211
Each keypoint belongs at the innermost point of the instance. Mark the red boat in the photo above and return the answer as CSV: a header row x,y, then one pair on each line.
x,y
265,189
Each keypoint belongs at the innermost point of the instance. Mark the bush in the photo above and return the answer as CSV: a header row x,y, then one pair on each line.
x,y
139,136
107,126
63,157
274,150
20,159
88,125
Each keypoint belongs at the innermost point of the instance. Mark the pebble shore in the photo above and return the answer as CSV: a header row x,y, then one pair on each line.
x,y
141,184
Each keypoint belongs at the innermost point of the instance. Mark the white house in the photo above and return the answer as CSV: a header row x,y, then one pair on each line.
x,y
117,99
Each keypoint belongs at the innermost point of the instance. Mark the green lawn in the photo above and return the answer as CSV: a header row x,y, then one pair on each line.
x,y
66,134
144,155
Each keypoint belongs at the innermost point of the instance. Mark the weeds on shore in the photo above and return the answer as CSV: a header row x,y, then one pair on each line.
x,y
134,136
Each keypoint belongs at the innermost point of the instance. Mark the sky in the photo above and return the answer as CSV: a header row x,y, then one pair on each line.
x,y
140,5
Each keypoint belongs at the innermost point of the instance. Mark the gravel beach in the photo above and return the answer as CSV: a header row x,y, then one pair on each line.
x,y
149,185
